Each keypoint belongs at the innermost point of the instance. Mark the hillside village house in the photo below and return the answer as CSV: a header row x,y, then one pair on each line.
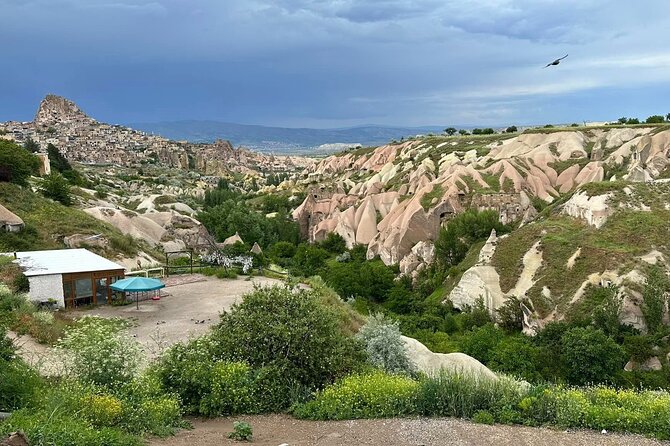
x,y
69,277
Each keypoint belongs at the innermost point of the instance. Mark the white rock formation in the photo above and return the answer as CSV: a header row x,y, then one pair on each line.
x,y
593,210
432,363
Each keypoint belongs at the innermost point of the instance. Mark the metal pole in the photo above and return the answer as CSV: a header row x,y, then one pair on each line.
x,y
137,299
167,264
191,262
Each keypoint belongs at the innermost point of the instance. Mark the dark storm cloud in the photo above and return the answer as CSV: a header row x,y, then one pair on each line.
x,y
338,62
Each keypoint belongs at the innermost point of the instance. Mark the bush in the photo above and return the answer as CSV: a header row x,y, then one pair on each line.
x,y
44,428
372,395
97,352
483,417
19,161
516,356
480,343
20,385
654,298
590,356
231,390
241,431
56,187
290,329
461,395
334,243
384,345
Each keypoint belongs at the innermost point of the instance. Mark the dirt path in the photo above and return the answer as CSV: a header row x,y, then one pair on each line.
x,y
274,430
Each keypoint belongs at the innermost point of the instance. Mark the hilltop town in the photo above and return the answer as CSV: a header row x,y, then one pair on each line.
x,y
80,138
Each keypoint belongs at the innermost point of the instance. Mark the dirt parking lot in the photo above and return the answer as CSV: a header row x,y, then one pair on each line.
x,y
184,310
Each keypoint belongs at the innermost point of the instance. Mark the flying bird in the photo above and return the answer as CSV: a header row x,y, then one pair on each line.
x,y
556,62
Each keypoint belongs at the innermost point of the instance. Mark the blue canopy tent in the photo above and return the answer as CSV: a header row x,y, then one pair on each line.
x,y
137,285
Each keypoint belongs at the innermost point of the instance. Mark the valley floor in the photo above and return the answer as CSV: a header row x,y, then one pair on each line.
x,y
273,430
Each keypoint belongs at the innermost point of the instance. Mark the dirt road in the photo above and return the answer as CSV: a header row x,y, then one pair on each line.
x,y
274,430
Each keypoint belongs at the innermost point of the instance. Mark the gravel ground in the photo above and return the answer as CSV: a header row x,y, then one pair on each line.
x,y
188,310
157,324
276,430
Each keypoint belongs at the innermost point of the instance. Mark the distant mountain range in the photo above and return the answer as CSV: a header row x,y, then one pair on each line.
x,y
280,139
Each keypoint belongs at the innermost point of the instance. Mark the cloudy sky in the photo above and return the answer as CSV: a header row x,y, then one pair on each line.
x,y
335,63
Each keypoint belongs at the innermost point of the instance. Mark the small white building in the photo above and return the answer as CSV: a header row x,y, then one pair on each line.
x,y
69,277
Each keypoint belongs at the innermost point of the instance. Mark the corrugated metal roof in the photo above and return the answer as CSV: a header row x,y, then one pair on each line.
x,y
63,261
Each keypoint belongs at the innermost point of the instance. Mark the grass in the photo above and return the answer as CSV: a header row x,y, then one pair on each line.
x,y
628,233
47,222
427,199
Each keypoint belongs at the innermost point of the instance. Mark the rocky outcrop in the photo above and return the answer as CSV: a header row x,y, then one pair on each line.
x,y
432,364
422,254
593,210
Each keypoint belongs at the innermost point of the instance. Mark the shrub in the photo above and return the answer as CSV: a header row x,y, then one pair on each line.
x,y
334,243
20,385
290,329
186,369
590,356
451,394
509,316
241,431
231,390
483,417
481,342
45,428
97,352
516,356
372,395
56,187
20,162
384,345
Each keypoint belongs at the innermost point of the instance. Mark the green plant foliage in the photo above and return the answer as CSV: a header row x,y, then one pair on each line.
x,y
334,243
654,298
56,187
99,353
384,345
231,390
481,342
289,329
309,260
591,356
461,232
241,431
368,279
483,417
20,163
371,395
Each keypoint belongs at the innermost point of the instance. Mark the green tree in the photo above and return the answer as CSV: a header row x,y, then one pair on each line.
x,y
309,260
18,162
655,119
517,356
481,342
463,132
590,356
451,131
58,162
606,315
511,129
633,121
667,117
654,298
461,232
56,187
31,146
622,120
334,243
